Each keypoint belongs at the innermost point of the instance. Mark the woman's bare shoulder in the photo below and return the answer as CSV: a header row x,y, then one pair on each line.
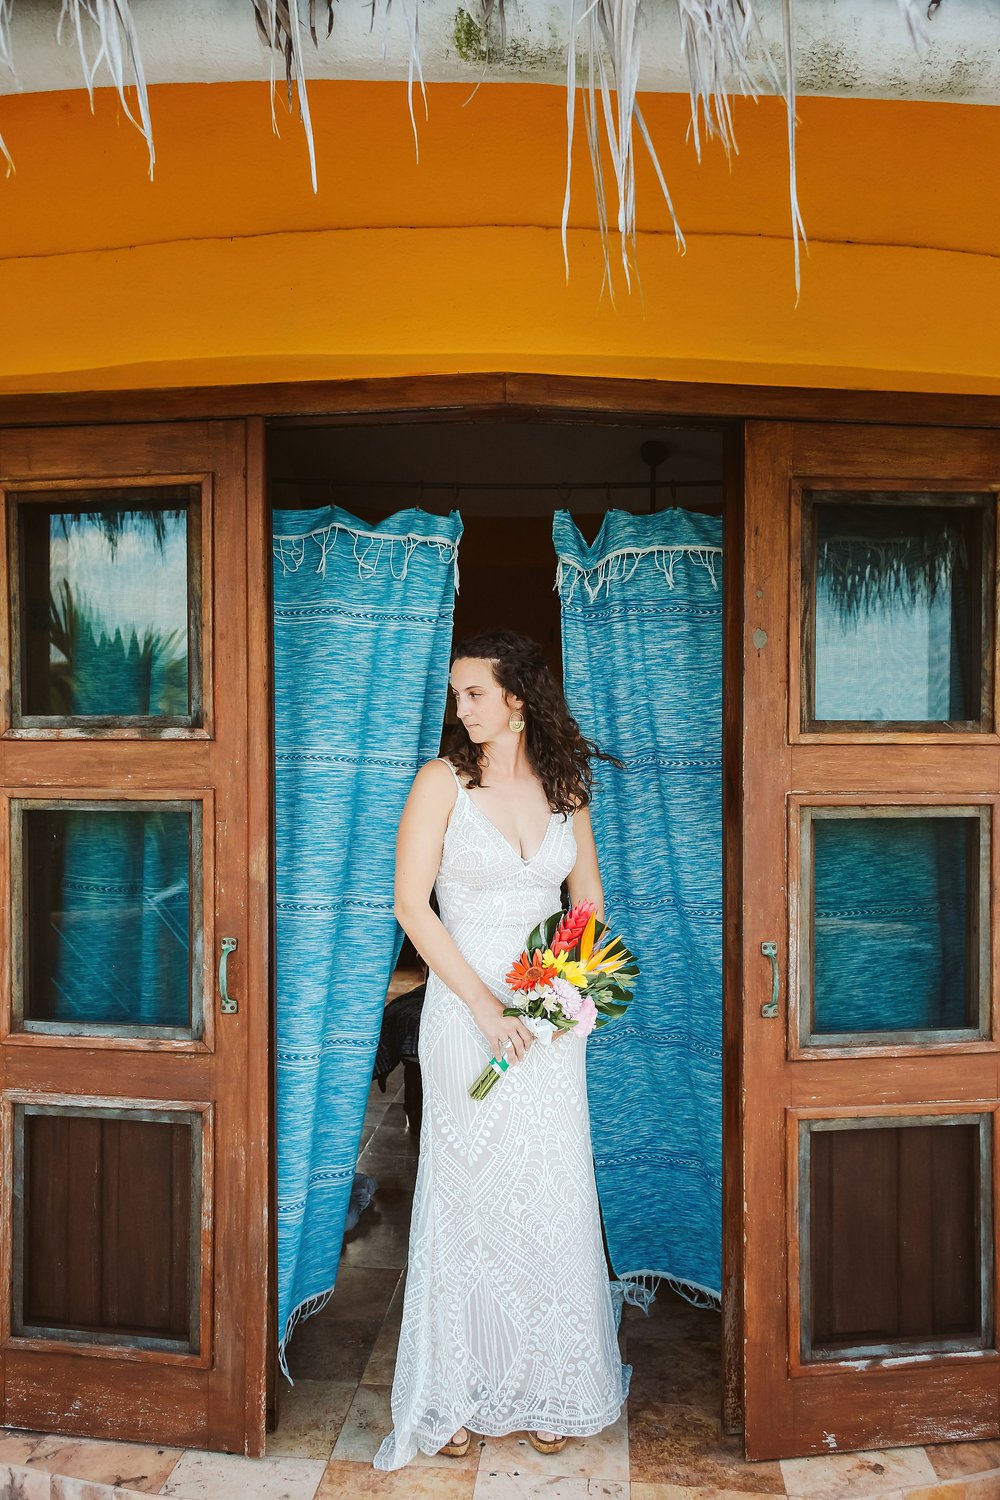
x,y
437,779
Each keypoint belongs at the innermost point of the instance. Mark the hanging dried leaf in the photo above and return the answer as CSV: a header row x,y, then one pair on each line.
x,y
915,14
105,34
279,23
716,38
7,59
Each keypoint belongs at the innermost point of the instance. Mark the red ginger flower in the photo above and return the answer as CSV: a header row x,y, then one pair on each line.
x,y
528,972
571,928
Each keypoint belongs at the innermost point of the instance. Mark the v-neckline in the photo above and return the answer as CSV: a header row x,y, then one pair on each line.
x,y
524,859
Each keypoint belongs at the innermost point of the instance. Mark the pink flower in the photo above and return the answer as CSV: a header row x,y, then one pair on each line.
x,y
568,996
587,1018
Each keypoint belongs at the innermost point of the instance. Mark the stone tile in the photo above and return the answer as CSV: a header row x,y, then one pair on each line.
x,y
381,1365
310,1416
381,1237
19,1483
393,1163
604,1456
681,1446
641,1491
949,1459
345,1481
229,1476
367,1288
677,1372
16,1446
828,1476
332,1349
62,1488
132,1466
968,1487
370,1420
495,1485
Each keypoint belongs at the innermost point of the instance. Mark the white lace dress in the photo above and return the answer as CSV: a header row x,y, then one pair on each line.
x,y
507,1317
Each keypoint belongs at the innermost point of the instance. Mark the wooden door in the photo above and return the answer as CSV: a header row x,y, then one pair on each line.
x,y
134,815
871,777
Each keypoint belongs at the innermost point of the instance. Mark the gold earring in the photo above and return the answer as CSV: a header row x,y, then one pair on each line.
x,y
515,723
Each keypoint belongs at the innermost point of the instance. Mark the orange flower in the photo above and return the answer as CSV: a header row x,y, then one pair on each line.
x,y
528,972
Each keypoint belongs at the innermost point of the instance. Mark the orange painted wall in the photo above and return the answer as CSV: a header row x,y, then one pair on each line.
x,y
226,268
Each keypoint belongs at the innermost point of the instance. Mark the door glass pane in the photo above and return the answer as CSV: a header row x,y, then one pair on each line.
x,y
107,1225
896,1216
106,583
896,929
898,624
111,936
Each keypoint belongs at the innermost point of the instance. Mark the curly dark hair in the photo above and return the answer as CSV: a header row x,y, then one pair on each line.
x,y
558,751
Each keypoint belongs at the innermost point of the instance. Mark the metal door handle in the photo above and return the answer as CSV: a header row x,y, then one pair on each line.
x,y
228,1003
770,1007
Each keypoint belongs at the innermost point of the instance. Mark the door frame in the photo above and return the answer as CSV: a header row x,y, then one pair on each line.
x,y
517,396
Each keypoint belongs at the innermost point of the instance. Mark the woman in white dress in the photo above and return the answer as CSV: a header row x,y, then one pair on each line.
x,y
508,1322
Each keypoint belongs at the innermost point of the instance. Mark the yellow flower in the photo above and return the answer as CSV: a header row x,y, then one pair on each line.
x,y
556,961
575,972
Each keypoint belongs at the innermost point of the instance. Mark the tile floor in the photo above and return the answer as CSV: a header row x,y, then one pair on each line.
x,y
668,1446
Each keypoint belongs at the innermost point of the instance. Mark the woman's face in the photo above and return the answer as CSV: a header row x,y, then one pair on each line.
x,y
480,702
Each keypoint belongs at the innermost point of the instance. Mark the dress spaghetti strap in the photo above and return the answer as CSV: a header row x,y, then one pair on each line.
x,y
445,762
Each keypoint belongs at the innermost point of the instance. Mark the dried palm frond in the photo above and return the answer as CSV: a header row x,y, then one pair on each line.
x,y
488,7
411,15
105,33
915,16
279,23
716,37
611,42
7,59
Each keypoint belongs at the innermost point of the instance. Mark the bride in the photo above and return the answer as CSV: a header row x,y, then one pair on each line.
x,y
507,1317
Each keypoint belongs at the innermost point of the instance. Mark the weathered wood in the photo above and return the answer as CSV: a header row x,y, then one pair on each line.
x,y
732,974
795,1406
212,1396
465,396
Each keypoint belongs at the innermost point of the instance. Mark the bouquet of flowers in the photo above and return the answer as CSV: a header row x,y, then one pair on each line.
x,y
571,977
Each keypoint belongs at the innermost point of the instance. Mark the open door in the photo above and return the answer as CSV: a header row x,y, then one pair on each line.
x,y
871,778
134,817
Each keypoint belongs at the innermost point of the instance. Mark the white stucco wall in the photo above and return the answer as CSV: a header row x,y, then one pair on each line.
x,y
842,47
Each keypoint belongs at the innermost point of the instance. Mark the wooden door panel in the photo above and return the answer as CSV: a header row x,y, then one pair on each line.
x,y
166,1405
177,1122
804,1394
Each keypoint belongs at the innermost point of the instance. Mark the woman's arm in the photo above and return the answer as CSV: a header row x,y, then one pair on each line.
x,y
585,877
418,858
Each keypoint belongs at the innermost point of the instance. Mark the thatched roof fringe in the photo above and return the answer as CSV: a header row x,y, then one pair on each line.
x,y
721,41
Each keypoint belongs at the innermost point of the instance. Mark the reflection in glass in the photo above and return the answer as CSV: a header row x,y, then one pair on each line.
x,y
104,1208
108,914
105,615
899,616
897,1218
895,922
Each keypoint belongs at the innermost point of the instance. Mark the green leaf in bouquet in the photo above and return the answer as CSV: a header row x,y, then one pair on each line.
x,y
613,1008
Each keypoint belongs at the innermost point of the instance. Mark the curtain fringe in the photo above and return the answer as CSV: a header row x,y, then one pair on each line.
x,y
639,1288
307,1309
619,567
370,548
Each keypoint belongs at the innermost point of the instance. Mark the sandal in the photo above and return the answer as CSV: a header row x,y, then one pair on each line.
x,y
546,1445
457,1450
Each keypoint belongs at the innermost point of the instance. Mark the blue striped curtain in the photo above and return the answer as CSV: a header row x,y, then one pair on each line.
x,y
642,656
362,634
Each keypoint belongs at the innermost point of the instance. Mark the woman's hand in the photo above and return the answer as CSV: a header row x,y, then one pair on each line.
x,y
498,1028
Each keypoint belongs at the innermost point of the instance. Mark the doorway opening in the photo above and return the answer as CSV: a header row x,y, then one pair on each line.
x,y
507,478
